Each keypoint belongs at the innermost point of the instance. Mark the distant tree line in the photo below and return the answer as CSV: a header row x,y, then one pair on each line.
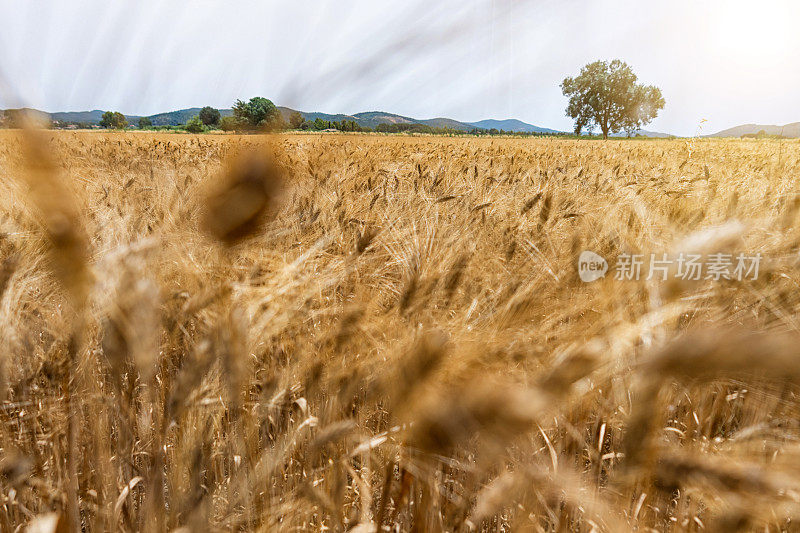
x,y
604,95
319,124
762,134
411,128
261,114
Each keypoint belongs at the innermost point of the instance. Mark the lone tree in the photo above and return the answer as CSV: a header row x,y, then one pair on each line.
x,y
209,116
145,122
113,120
257,113
606,95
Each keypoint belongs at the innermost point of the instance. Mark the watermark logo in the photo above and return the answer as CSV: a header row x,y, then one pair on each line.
x,y
688,267
591,266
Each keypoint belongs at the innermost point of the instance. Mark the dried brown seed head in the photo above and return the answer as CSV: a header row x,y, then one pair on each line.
x,y
247,197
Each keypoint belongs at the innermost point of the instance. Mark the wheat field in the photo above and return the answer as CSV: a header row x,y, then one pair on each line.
x,y
381,333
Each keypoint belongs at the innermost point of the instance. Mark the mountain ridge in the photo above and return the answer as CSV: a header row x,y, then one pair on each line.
x,y
787,130
368,119
511,124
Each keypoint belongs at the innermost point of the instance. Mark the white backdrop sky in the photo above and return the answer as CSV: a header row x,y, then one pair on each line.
x,y
729,62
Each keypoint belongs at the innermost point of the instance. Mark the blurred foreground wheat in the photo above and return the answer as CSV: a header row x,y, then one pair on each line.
x,y
369,333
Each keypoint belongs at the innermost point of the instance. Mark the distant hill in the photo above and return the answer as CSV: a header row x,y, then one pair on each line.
x,y
511,124
644,133
171,118
181,116
369,119
35,114
372,119
448,123
788,130
90,117
286,112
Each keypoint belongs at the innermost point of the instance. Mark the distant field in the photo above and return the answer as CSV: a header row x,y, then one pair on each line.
x,y
404,342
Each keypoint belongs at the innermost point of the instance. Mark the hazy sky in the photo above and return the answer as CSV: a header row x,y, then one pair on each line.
x,y
730,62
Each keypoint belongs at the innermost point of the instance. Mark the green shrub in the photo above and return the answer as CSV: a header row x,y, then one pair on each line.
x,y
229,124
195,125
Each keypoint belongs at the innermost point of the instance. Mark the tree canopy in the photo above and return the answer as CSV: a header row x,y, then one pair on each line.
x,y
296,120
257,113
113,120
145,122
229,123
605,95
209,116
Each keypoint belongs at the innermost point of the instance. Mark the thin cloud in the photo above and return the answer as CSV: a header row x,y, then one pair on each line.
x,y
466,60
